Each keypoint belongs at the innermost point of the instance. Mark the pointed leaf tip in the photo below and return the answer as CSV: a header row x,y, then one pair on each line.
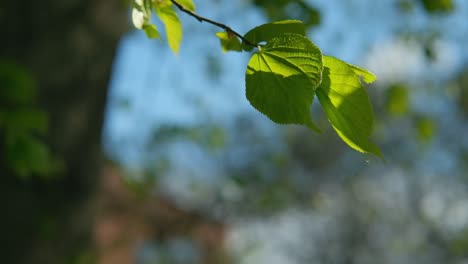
x,y
347,105
367,76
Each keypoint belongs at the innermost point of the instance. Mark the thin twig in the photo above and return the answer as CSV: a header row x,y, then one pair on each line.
x,y
223,26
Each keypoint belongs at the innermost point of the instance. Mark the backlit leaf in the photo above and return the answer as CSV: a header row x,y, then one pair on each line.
x,y
346,104
151,31
173,26
188,4
229,42
281,79
367,76
268,31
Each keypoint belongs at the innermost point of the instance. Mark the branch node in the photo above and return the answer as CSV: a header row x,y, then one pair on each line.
x,y
220,25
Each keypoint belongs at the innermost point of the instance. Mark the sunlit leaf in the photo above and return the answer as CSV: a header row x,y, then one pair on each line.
x,y
282,77
346,104
188,4
229,41
141,15
173,26
162,3
266,32
367,76
151,31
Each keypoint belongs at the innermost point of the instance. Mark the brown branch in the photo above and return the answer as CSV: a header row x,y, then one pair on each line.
x,y
223,26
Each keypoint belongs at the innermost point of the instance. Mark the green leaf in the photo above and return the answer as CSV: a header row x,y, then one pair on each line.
x,y
346,104
229,41
151,31
173,26
141,15
367,76
281,79
188,4
268,31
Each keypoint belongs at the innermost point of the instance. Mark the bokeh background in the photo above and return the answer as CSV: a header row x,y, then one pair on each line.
x,y
115,150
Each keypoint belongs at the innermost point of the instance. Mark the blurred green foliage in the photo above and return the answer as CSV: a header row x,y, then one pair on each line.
x,y
397,100
84,257
212,136
438,6
405,6
462,87
426,128
288,9
23,125
459,245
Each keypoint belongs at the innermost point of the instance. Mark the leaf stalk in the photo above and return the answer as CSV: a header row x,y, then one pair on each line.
x,y
218,24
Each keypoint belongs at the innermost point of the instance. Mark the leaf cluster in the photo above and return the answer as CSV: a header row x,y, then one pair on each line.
x,y
165,11
285,73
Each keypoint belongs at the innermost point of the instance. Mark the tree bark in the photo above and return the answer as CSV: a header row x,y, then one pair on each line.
x,y
68,46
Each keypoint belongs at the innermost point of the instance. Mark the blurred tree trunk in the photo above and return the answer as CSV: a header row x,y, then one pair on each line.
x,y
68,46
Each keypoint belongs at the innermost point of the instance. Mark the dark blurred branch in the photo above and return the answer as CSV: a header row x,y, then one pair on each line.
x,y
223,26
